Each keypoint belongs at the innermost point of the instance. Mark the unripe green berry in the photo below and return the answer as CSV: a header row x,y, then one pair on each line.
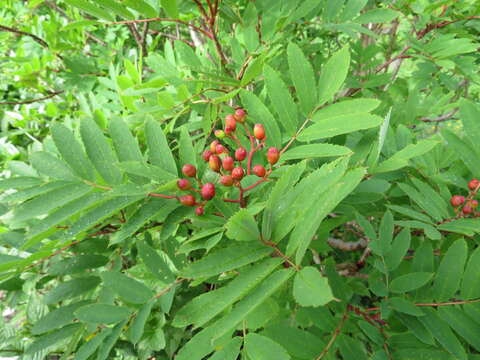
x,y
219,134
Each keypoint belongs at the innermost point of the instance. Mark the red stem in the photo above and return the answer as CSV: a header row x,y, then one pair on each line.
x,y
162,196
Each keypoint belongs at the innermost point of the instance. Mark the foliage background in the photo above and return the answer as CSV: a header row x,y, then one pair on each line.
x,y
358,212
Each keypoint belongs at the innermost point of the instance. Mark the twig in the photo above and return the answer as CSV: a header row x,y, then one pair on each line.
x,y
347,245
19,32
444,117
168,288
206,33
459,302
144,38
137,37
32,100
335,334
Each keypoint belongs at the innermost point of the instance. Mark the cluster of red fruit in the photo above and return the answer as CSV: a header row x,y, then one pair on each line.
x,y
229,167
468,204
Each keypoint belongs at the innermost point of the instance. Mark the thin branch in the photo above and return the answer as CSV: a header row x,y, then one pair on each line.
x,y
32,100
161,19
347,245
335,334
144,38
444,117
19,32
459,302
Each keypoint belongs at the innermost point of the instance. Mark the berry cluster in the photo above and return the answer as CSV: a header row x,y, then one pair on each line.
x,y
230,168
466,206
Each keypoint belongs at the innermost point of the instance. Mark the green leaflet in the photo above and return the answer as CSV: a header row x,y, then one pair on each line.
x,y
97,214
315,151
351,107
141,169
382,244
156,264
71,288
57,318
333,74
280,198
89,347
30,192
259,113
77,263
91,9
262,347
302,75
107,345
310,288
377,16
229,351
450,272
99,152
442,332
47,164
116,8
186,149
463,324
72,151
152,208
281,100
65,212
142,7
469,113
203,342
326,203
206,306
127,288
159,152
409,282
19,182
102,313
136,329
243,227
400,159
471,281
50,200
52,338
226,259
343,124
397,251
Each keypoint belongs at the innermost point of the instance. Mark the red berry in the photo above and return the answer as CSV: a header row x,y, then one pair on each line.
x,y
259,170
214,163
474,204
273,155
259,131
240,115
467,209
206,155
189,170
187,200
208,191
226,180
219,134
199,211
228,130
183,184
457,200
238,173
213,146
473,184
227,163
240,154
220,149
231,122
